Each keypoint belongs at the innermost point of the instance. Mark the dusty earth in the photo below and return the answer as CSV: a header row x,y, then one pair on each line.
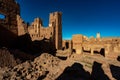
x,y
74,67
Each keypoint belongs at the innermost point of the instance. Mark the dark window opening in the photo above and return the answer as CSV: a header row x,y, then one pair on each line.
x,y
67,45
96,52
102,52
63,48
86,51
63,58
118,58
74,51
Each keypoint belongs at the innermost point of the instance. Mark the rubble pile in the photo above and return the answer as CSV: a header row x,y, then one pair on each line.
x,y
6,59
49,67
36,70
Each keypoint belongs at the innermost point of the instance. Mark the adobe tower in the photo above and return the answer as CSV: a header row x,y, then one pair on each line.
x,y
55,20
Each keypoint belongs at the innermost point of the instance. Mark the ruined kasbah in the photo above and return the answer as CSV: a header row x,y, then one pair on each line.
x,y
16,34
79,43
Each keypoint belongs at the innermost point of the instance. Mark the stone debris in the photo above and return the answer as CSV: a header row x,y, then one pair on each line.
x,y
29,70
48,67
6,58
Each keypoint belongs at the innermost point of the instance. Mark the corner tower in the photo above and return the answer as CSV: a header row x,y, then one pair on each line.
x,y
55,21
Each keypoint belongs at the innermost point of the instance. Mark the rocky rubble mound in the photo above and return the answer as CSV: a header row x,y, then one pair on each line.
x,y
51,63
6,59
49,67
36,70
25,71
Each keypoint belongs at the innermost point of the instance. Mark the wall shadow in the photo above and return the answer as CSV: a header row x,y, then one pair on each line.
x,y
32,48
102,52
6,37
86,51
96,52
98,73
24,43
115,70
75,72
118,58
67,45
73,50
22,47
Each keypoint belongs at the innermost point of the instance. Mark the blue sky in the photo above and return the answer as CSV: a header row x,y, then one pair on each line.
x,y
85,17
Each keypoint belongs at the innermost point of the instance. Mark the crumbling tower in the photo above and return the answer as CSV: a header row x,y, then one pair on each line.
x,y
55,21
10,9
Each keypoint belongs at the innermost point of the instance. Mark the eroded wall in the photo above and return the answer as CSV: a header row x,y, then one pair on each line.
x,y
66,44
10,9
77,41
52,33
38,32
108,47
22,26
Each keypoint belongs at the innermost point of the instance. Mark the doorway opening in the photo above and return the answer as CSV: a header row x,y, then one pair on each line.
x,y
67,45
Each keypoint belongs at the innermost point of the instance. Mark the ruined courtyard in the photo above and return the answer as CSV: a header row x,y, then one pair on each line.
x,y
34,52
